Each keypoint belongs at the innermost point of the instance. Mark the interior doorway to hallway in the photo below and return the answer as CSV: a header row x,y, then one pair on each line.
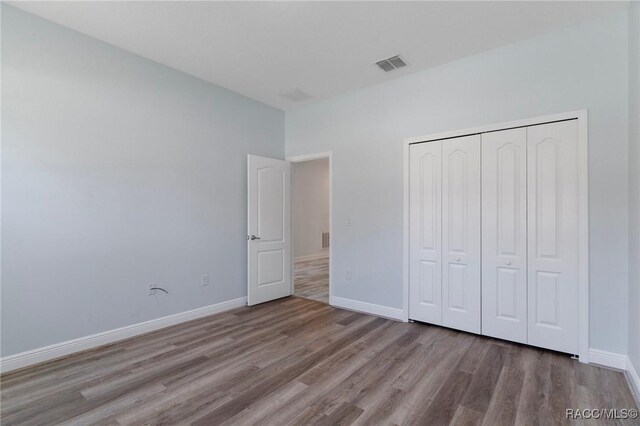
x,y
311,226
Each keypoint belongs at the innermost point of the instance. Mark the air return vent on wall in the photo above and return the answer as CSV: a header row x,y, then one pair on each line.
x,y
391,64
295,95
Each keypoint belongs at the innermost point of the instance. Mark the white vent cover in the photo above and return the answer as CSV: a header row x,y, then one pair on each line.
x,y
391,64
295,95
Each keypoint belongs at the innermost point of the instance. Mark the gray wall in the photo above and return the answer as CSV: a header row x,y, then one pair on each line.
x,y
634,185
309,206
116,172
580,67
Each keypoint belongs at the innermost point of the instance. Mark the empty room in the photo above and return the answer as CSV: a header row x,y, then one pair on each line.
x,y
334,213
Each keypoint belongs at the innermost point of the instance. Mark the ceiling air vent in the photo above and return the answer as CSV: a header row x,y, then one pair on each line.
x,y
295,95
391,64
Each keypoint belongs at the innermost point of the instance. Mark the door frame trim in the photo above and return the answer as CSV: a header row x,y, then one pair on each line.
x,y
311,157
583,208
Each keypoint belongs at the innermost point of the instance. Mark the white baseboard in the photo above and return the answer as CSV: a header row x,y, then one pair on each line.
x,y
47,353
620,362
367,308
322,255
634,381
608,359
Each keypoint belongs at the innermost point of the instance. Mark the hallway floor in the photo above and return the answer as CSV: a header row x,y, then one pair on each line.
x,y
311,279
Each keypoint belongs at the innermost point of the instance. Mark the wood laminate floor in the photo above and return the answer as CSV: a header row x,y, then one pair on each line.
x,y
297,361
311,279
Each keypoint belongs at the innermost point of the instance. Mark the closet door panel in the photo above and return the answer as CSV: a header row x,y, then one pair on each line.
x,y
553,236
461,233
425,238
504,234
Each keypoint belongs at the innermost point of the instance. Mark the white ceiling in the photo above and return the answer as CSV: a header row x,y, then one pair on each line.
x,y
260,49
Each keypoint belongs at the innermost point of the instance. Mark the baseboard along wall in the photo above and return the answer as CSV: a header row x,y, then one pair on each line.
x,y
57,350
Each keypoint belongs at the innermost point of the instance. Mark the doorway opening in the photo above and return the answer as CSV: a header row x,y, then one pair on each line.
x,y
311,226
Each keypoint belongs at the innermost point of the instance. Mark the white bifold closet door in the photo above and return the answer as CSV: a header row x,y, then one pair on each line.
x,y
425,241
504,234
493,234
444,237
552,235
461,294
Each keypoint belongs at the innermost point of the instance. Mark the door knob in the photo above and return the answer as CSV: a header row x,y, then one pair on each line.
x,y
458,259
253,237
508,262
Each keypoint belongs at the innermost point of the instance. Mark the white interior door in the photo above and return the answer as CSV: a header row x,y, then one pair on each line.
x,y
425,243
268,239
461,233
504,234
552,189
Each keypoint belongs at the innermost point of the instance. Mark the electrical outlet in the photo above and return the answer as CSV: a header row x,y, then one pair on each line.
x,y
347,274
151,292
204,279
349,221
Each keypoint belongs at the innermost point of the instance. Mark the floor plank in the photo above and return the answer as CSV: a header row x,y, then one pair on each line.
x,y
298,361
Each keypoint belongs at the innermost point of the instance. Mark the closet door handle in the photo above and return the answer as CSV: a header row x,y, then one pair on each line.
x,y
458,259
508,262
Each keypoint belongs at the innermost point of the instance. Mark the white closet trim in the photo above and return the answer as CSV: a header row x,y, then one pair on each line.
x,y
583,213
